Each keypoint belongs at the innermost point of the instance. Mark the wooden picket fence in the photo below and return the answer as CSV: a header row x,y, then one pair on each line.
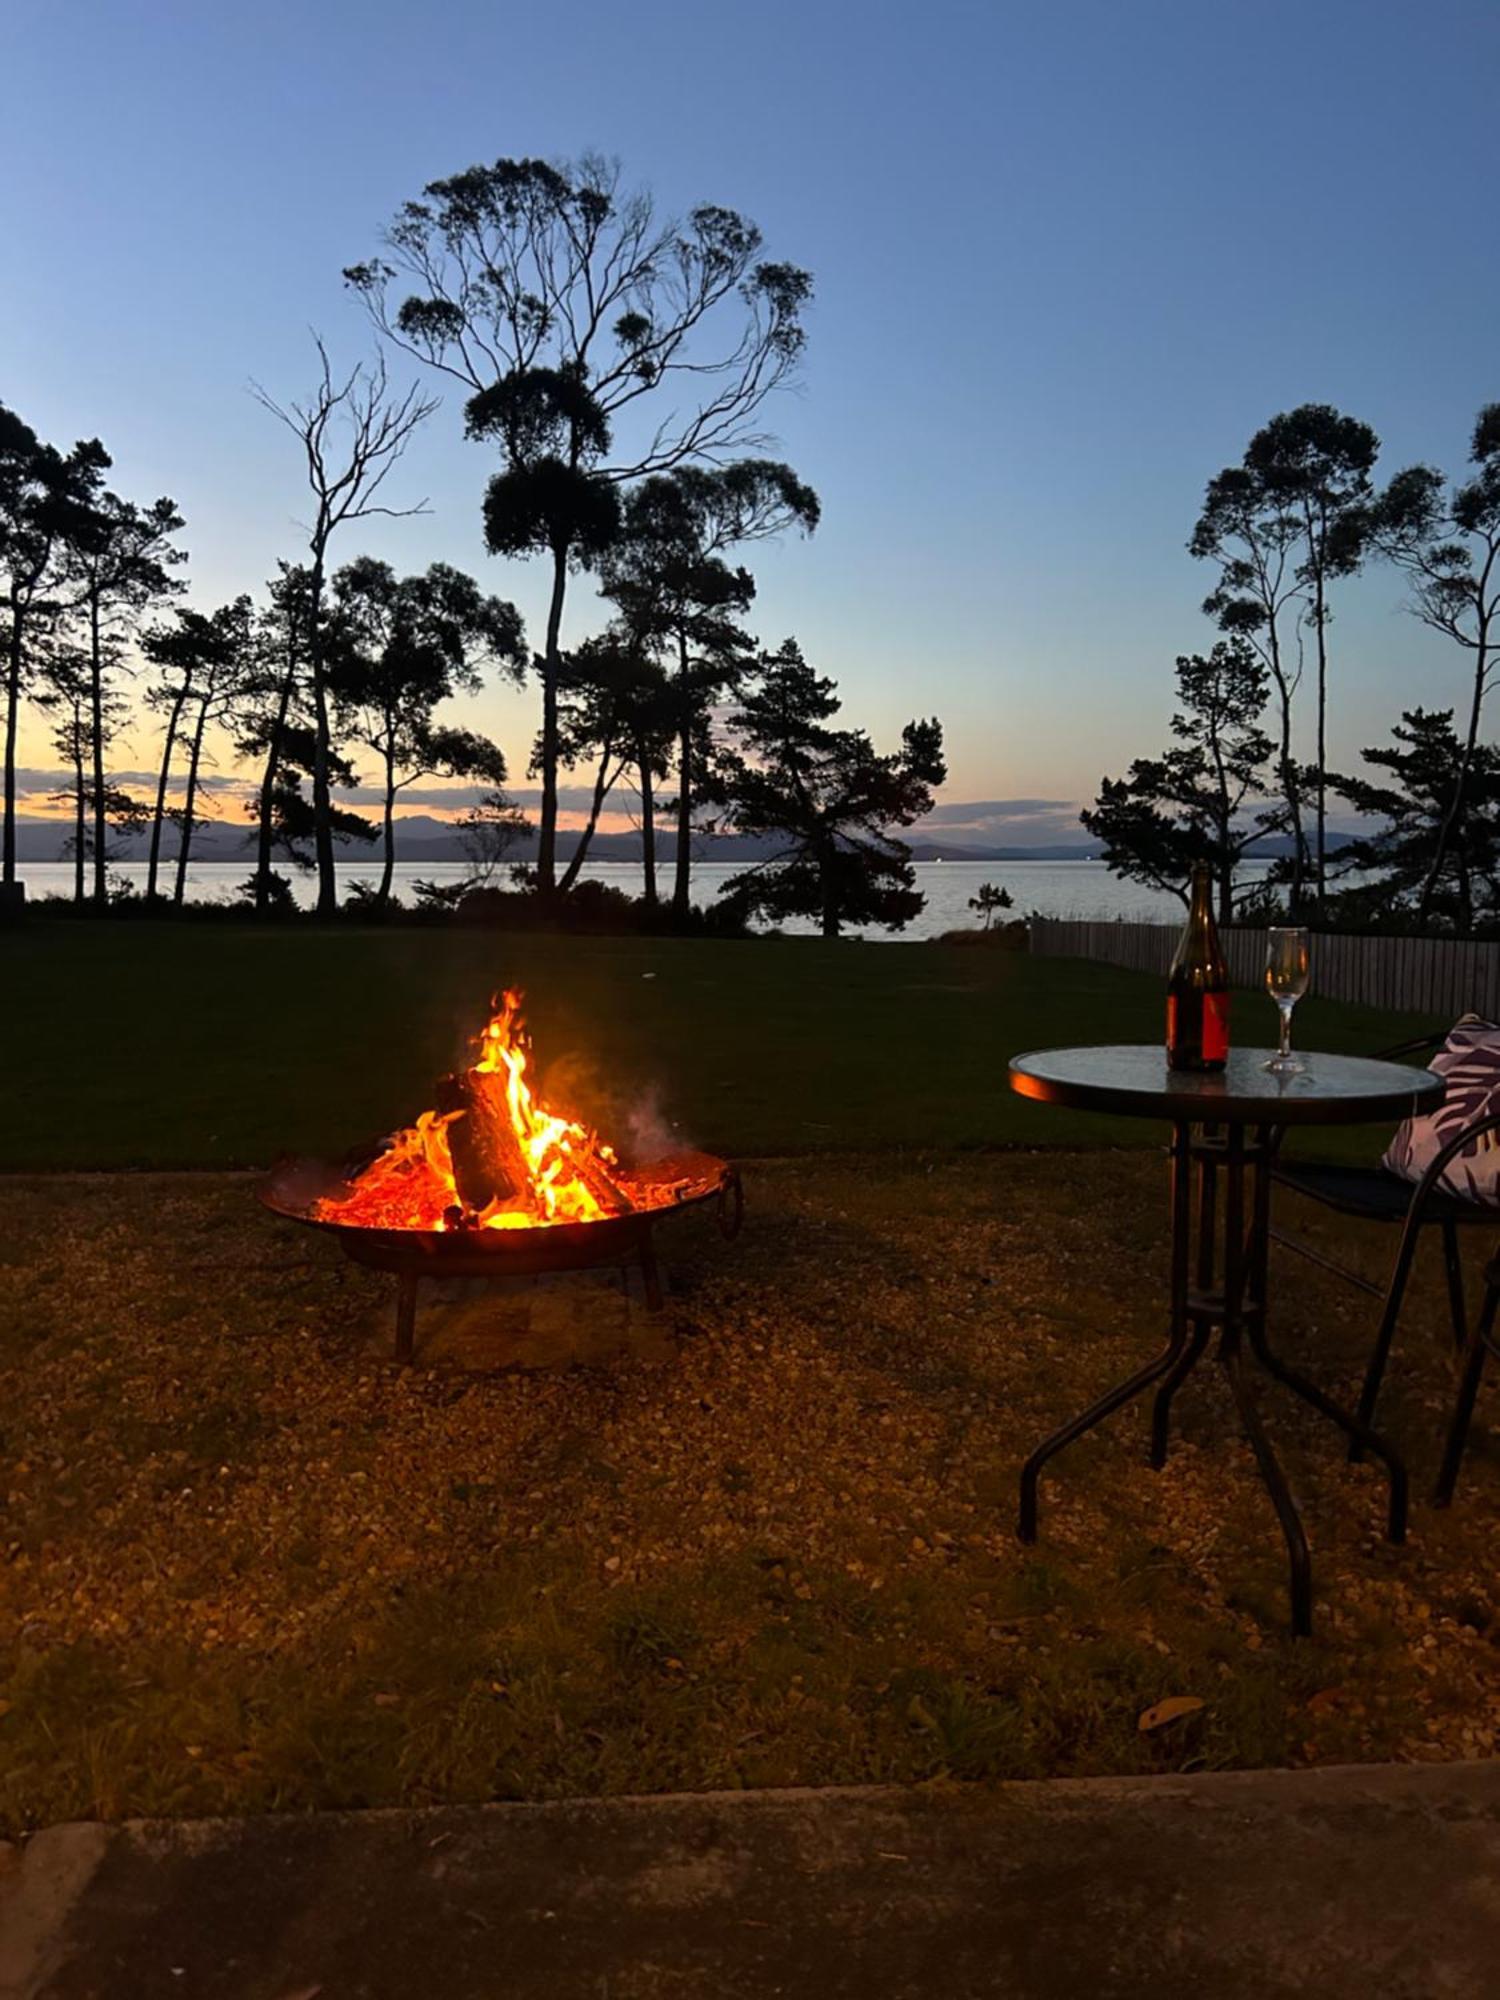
x,y
1437,977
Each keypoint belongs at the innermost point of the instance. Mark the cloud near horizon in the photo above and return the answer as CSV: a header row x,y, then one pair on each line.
x,y
1015,822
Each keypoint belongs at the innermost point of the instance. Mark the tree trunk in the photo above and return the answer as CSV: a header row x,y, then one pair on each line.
x,y
12,718
1287,764
383,894
1225,873
830,902
1223,825
603,785
546,840
187,806
80,814
322,799
154,858
648,833
264,834
96,719
1466,762
1320,615
682,885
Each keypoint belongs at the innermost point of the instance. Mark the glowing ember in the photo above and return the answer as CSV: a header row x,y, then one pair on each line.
x,y
489,1156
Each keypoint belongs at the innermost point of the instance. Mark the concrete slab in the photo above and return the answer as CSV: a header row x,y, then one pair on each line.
x,y
1370,1881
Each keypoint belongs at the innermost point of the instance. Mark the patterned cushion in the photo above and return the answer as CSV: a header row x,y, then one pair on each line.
x,y
1470,1060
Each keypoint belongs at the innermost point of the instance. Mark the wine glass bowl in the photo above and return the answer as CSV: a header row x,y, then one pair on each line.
x,y
1288,961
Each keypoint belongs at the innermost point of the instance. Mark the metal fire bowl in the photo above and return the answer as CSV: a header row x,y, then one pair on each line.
x,y
294,1186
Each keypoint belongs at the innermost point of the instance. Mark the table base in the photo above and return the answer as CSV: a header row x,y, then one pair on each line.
x,y
1219,1271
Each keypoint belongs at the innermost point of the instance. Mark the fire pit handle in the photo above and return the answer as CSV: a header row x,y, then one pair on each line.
x,y
731,1204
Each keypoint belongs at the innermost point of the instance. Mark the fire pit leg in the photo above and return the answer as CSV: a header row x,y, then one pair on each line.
x,y
649,1272
406,1316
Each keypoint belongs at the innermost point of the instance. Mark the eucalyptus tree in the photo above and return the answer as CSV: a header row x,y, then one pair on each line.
x,y
1282,525
830,798
208,664
353,431
1318,462
676,591
1447,541
571,313
63,693
119,562
407,645
274,704
41,493
285,823
617,712
1203,799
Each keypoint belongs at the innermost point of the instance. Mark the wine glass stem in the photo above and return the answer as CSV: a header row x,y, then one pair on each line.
x,y
1286,1007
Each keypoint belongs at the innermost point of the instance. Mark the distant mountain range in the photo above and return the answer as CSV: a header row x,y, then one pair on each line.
x,y
420,838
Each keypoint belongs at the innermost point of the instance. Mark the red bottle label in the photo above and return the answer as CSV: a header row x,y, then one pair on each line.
x,y
1216,1027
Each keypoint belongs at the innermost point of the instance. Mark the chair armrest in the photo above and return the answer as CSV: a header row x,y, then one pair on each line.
x,y
1439,1165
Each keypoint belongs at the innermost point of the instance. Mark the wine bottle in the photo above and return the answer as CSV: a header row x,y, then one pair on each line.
x,y
1198,988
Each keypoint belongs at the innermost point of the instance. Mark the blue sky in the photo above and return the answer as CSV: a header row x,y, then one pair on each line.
x,y
1068,257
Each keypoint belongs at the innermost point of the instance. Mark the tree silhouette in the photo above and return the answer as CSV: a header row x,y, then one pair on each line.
x,y
678,594
1448,545
1412,809
274,703
118,561
1281,525
65,692
353,432
561,304
41,496
1188,805
988,900
1318,463
406,645
283,813
830,797
208,663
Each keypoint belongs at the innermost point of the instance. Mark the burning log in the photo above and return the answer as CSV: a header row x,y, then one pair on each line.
x,y
610,1196
488,1163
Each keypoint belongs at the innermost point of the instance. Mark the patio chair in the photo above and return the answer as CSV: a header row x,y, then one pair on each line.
x,y
1375,1194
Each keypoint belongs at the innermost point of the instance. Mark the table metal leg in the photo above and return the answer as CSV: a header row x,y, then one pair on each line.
x,y
1359,1433
1174,1361
1232,1297
1191,1333
1275,1481
1106,1406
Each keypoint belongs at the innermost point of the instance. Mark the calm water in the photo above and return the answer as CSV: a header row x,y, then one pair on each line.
x,y
1052,888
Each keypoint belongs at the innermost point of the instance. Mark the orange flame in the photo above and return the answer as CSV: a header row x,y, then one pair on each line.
x,y
561,1170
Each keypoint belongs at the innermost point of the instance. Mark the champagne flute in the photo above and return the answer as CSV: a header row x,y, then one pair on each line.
x,y
1286,982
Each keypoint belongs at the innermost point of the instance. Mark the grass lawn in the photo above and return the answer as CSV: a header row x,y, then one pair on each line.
x,y
146,1045
252,1565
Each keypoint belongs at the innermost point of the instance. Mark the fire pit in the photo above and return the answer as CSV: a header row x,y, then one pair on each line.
x,y
492,1184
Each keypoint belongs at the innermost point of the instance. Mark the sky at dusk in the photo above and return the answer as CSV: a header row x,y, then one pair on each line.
x,y
1067,258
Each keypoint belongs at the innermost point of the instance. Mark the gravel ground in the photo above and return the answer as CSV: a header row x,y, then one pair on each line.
x,y
250,1565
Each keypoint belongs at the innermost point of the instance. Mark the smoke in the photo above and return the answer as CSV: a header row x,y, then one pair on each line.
x,y
627,1115
647,1133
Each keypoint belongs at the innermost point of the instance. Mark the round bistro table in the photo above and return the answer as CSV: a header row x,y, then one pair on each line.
x,y
1229,1125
